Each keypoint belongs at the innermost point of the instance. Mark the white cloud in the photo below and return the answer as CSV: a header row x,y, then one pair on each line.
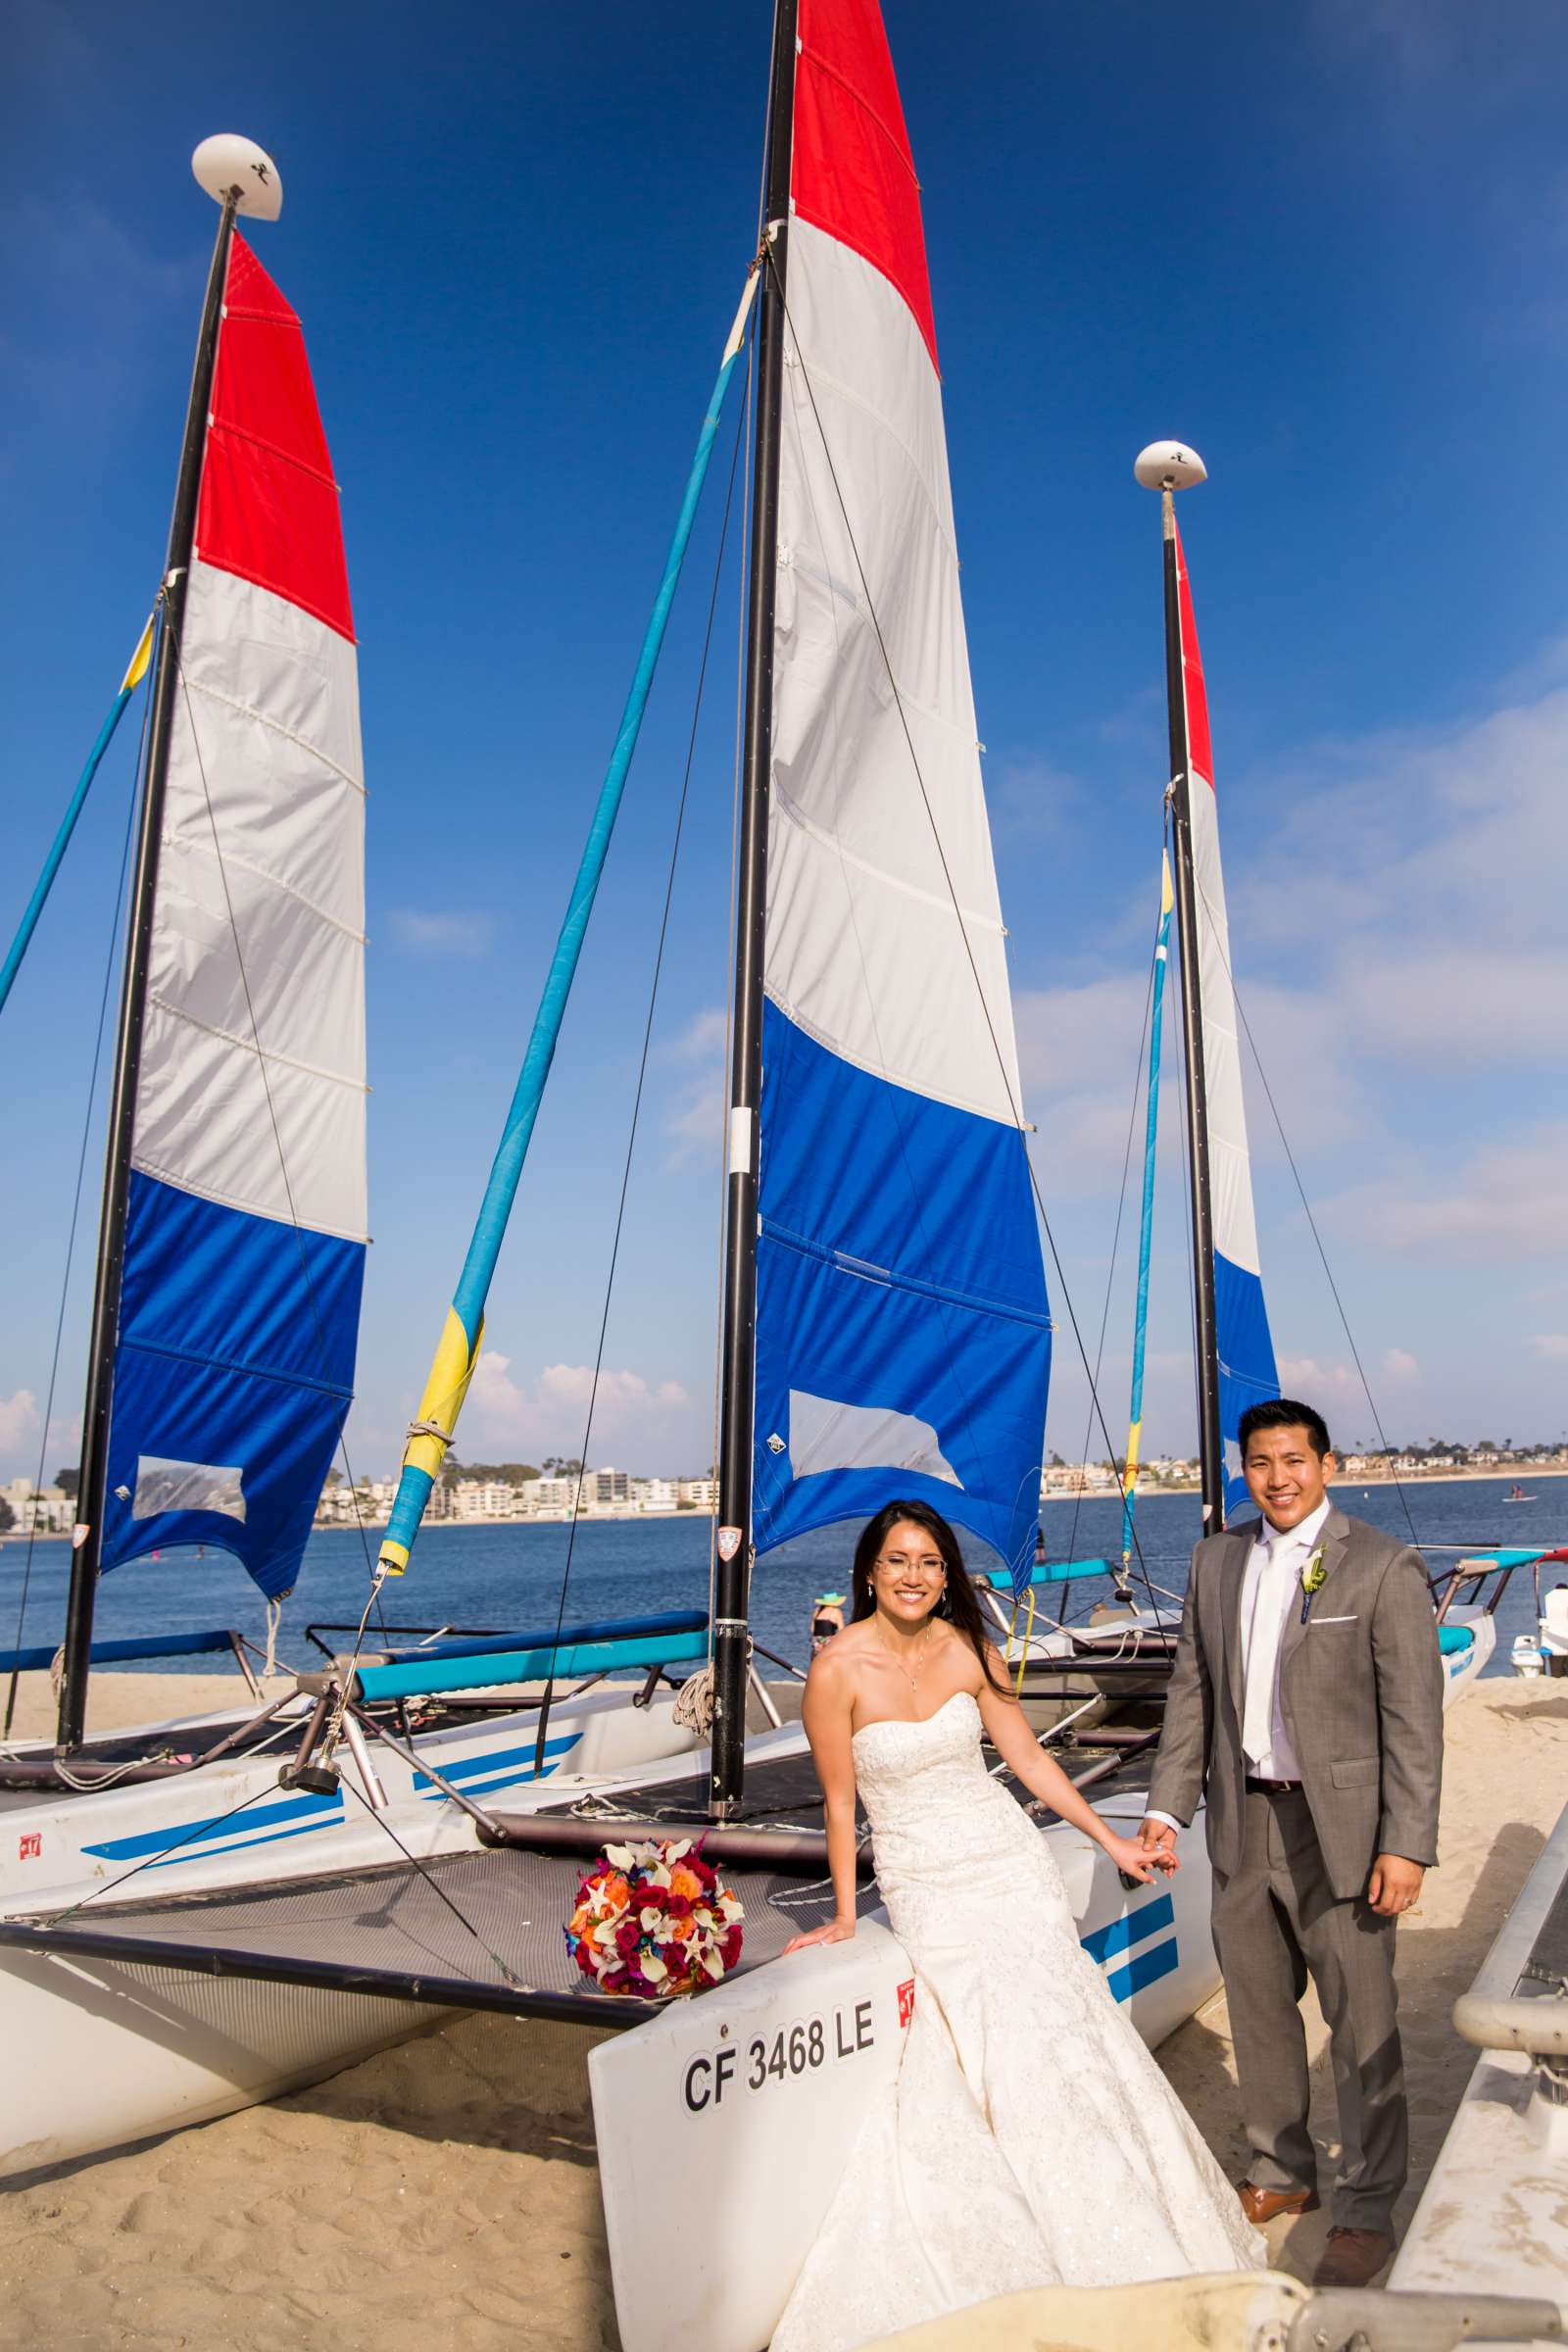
x,y
1400,1367
1504,1204
426,932
19,1429
1325,1385
701,1037
1030,798
1076,1038
1418,941
694,1117
549,1415
1554,1345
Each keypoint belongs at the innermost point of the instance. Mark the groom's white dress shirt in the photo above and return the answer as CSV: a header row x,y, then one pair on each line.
x,y
1271,1584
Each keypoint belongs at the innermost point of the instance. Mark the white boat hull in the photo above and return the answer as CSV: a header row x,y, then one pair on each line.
x,y
1490,2216
1462,1667
103,2053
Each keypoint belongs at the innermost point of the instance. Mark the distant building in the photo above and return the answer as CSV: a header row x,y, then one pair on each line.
x,y
39,1510
604,1490
655,1494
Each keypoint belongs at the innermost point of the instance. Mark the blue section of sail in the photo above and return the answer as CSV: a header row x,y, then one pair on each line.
x,y
233,1374
1246,1373
902,1332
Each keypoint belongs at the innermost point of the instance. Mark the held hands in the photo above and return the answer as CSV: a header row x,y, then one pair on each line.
x,y
1156,1837
1142,1857
1394,1884
837,1931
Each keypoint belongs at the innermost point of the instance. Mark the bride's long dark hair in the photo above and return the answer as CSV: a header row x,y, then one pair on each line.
x,y
958,1605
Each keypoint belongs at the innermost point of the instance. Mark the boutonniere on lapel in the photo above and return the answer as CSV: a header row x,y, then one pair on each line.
x,y
1314,1575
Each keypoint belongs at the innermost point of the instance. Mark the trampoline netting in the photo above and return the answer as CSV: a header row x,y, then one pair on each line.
x,y
470,1931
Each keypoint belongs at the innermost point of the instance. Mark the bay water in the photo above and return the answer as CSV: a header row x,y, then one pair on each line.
x,y
508,1578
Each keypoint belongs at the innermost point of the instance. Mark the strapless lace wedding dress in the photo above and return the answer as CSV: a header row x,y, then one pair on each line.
x,y
1029,2139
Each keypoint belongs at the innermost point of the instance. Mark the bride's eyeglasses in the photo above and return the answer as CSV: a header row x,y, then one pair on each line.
x,y
931,1565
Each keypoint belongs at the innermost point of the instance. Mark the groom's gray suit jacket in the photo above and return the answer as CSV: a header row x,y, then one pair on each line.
x,y
1361,1692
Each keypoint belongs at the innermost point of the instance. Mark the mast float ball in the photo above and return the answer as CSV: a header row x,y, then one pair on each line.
x,y
226,161
1169,466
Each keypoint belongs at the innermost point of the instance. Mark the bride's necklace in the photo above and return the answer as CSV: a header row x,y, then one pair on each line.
x,y
912,1672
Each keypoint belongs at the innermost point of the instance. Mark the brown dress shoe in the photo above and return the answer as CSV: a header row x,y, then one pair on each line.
x,y
1353,2257
1262,2205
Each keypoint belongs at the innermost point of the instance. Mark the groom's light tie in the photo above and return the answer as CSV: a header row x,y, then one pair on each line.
x,y
1263,1649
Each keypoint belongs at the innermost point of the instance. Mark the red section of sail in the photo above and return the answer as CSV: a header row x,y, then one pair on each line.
x,y
851,169
268,506
1200,753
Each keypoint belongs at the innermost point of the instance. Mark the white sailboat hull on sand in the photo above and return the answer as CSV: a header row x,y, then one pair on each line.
x,y
105,2052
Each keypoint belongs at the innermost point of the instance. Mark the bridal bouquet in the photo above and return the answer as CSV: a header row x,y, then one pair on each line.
x,y
653,1920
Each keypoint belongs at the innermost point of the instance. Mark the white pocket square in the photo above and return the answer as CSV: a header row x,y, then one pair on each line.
x,y
1334,1619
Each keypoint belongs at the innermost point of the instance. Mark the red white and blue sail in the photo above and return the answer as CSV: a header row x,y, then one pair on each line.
x,y
246,1232
903,1336
1244,1348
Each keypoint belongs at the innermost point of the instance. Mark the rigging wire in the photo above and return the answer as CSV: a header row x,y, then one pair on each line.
x,y
378,1815
1220,935
110,961
642,1068
964,929
1115,1239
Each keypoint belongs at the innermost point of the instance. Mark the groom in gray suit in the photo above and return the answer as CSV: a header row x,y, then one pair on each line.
x,y
1306,1703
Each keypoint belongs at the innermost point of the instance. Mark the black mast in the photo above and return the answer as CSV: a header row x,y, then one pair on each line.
x,y
92,1494
1210,1458
733,1572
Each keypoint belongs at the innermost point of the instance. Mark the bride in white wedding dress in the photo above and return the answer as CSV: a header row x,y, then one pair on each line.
x,y
1029,2139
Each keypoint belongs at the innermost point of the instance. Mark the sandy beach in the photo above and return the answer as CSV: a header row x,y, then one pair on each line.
x,y
451,2185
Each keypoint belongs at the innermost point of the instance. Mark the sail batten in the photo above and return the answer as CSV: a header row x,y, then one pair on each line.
x,y
902,1316
246,1223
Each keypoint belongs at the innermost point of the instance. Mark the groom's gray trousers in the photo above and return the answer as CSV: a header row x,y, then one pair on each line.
x,y
1275,1917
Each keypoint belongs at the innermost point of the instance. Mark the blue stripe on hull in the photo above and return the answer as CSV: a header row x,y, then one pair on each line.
x,y
899,1272
471,1769
1131,1927
195,1837
1144,1968
236,1347
1246,1373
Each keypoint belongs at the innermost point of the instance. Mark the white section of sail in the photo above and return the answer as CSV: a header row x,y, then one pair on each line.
x,y
825,1435
252,1089
1230,1169
866,949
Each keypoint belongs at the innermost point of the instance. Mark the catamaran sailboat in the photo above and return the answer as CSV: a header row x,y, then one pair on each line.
x,y
885,1326
884,1310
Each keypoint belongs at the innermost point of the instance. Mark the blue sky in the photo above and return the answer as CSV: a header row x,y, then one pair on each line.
x,y
1327,244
